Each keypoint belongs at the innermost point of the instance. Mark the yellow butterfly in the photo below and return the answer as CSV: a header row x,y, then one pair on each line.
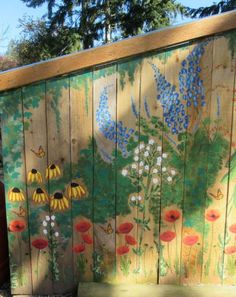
x,y
218,196
40,153
108,229
21,212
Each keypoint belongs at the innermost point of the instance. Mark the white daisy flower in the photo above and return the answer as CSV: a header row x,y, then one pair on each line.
x,y
169,178
164,155
141,163
140,171
136,151
155,170
133,198
45,231
56,234
146,154
52,224
141,146
124,172
155,181
139,197
173,172
163,169
159,148
134,166
136,158
45,223
159,159
53,217
151,141
146,167
47,218
148,148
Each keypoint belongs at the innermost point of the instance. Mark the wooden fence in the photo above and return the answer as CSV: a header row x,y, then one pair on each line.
x,y
124,172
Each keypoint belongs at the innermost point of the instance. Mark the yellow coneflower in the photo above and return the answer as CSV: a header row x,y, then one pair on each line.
x,y
35,175
53,171
75,190
40,195
59,201
16,194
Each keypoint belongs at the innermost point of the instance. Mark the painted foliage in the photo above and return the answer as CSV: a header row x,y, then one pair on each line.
x,y
125,173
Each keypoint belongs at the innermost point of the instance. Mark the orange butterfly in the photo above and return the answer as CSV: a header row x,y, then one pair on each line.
x,y
21,212
108,229
40,153
218,196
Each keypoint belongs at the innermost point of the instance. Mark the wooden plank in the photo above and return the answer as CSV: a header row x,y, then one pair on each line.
x,y
151,117
82,174
15,193
219,152
59,176
104,133
172,165
117,50
198,92
35,135
127,203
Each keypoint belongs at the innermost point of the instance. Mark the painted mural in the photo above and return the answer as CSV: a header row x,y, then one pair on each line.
x,y
125,173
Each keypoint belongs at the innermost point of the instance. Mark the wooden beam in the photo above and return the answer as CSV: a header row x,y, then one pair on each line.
x,y
126,48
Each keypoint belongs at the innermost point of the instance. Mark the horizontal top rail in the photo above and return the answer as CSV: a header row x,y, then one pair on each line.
x,y
126,48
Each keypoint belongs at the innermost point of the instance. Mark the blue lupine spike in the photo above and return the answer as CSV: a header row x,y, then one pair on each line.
x,y
134,110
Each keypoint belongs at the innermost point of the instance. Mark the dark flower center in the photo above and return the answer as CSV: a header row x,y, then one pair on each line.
x,y
74,185
52,166
39,191
58,195
172,216
16,190
34,171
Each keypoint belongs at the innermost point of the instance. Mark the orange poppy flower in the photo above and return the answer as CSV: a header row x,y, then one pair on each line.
x,y
125,228
40,243
83,226
87,238
122,250
130,240
17,226
212,215
167,236
230,250
79,248
190,239
172,215
232,228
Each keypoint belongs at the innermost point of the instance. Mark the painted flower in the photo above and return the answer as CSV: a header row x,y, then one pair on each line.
x,y
139,197
124,172
75,190
146,154
125,228
45,223
79,248
59,201
87,238
40,196
34,176
163,169
167,236
134,166
148,148
141,163
155,181
53,217
56,234
169,179
136,158
45,231
83,226
190,239
53,171
151,141
136,151
130,240
140,171
47,218
133,198
232,228
172,216
40,243
155,170
17,226
159,148
173,172
16,194
122,250
230,250
212,215
52,224
164,155
141,146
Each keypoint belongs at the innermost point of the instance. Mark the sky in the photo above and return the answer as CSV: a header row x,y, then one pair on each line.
x,y
13,10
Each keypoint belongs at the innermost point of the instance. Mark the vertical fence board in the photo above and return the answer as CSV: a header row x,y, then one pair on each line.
x,y
220,129
15,193
82,174
35,135
104,119
127,170
59,176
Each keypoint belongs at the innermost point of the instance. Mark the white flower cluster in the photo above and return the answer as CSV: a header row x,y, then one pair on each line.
x,y
149,159
47,222
134,198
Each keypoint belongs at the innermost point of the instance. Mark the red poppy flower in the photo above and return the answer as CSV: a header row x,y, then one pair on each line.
x,y
40,243
212,215
172,216
130,240
232,228
79,248
87,238
122,250
190,239
125,228
83,226
17,226
167,236
230,250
